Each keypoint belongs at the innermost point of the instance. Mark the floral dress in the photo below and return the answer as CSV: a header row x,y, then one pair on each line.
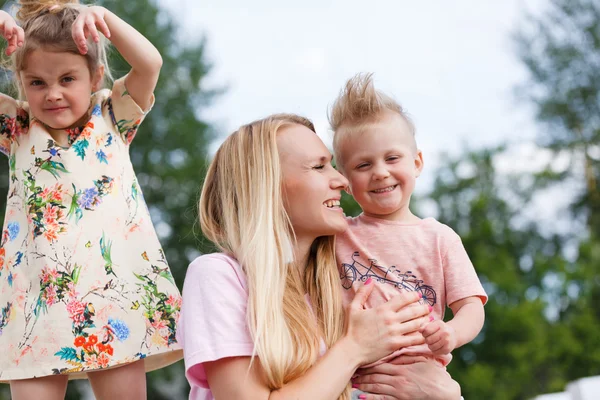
x,y
84,283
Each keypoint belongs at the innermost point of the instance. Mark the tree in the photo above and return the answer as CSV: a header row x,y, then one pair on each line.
x,y
168,154
561,51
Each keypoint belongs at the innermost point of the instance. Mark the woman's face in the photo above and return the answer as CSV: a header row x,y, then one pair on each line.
x,y
312,188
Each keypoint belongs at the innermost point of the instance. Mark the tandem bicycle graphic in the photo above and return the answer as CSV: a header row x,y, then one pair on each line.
x,y
401,280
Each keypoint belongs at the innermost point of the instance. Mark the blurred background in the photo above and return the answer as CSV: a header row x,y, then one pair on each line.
x,y
505,98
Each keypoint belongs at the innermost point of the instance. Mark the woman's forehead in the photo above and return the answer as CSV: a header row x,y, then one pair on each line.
x,y
299,142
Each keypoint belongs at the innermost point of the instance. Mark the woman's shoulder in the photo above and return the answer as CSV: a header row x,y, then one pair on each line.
x,y
215,268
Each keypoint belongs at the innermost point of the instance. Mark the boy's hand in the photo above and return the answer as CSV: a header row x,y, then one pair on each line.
x,y
13,33
89,21
440,337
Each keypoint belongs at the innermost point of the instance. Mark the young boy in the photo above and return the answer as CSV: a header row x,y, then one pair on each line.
x,y
375,148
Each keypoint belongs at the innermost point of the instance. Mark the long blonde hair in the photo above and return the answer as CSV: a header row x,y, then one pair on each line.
x,y
242,212
47,25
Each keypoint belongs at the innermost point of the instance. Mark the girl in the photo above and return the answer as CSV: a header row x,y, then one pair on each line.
x,y
263,319
84,284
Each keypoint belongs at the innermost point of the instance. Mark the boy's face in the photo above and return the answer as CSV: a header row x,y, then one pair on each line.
x,y
382,164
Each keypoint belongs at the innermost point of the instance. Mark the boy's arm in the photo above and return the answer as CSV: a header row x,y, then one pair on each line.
x,y
443,337
468,319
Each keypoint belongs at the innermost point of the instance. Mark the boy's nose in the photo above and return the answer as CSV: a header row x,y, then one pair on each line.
x,y
380,172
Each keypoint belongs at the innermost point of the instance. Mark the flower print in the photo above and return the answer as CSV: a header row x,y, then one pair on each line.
x,y
120,329
51,295
108,348
44,194
96,110
51,232
57,193
92,340
158,340
13,230
103,360
88,199
79,341
174,301
72,290
91,361
50,213
101,156
2,257
75,308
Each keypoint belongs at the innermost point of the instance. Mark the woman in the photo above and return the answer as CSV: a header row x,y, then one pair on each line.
x,y
264,319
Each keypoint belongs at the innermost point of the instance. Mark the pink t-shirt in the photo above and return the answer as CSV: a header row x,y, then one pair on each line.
x,y
213,322
426,256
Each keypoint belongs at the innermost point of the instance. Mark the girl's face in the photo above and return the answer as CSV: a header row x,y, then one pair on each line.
x,y
58,86
312,188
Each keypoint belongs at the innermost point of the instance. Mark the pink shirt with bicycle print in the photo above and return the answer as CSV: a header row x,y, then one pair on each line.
x,y
427,256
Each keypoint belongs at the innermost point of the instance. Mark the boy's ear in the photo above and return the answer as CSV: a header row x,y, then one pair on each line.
x,y
97,78
418,163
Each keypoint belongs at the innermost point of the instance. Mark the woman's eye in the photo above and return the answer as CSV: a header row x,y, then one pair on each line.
x,y
320,166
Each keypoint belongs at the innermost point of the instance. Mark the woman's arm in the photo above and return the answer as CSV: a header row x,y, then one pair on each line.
x,y
395,380
371,334
140,54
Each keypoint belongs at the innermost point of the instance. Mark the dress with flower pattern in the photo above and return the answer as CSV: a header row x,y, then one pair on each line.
x,y
84,283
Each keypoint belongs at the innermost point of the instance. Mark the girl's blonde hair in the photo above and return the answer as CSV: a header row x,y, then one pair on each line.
x,y
47,25
242,212
358,105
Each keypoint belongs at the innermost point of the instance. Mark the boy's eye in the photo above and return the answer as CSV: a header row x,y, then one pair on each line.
x,y
362,166
393,158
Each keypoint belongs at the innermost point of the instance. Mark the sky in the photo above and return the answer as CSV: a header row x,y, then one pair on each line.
x,y
452,65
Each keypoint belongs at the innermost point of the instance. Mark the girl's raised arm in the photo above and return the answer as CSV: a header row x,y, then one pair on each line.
x,y
142,56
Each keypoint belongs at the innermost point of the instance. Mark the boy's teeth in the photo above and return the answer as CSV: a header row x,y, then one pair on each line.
x,y
387,189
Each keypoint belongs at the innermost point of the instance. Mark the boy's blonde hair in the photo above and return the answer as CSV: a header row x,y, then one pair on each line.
x,y
358,105
242,212
47,25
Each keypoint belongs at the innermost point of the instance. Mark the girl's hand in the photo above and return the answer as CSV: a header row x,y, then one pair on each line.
x,y
440,337
89,21
380,331
13,33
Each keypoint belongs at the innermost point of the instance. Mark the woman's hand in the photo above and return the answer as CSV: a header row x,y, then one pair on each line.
x,y
379,331
89,21
13,33
395,380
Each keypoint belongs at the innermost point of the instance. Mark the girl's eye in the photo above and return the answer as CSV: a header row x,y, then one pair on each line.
x,y
68,79
36,82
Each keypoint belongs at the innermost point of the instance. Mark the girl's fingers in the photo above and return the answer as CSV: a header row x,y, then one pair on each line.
x,y
20,36
101,24
79,35
90,26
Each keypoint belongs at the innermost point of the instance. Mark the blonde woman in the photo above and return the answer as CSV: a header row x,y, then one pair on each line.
x,y
263,319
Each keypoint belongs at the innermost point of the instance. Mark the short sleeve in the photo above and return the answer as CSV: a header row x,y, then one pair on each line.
x,y
14,121
213,322
126,114
459,274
